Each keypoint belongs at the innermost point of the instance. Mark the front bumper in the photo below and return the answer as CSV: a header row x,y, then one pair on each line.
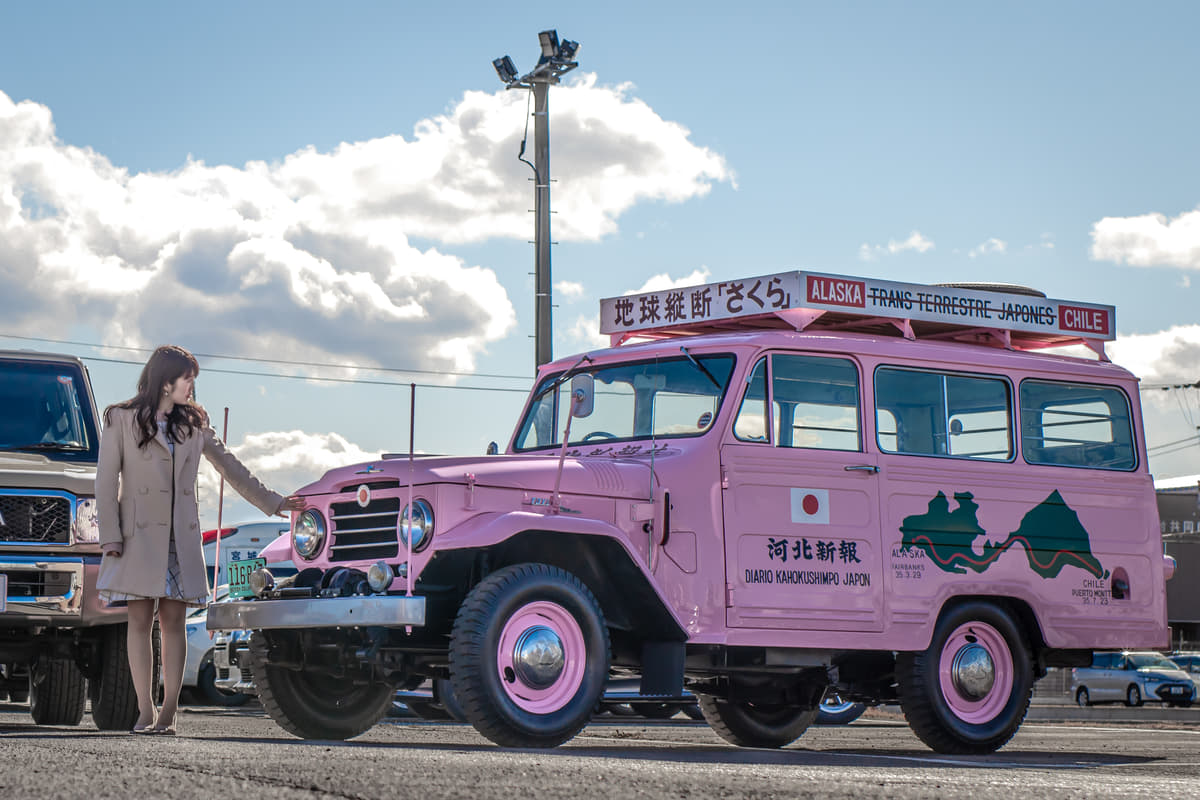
x,y
323,612
46,587
1172,692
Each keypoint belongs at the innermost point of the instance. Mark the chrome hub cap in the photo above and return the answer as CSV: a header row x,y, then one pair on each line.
x,y
538,657
973,671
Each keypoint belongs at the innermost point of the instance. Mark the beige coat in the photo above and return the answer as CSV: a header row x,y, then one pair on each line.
x,y
145,494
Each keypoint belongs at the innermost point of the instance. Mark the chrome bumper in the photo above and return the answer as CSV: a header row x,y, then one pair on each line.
x,y
317,612
64,604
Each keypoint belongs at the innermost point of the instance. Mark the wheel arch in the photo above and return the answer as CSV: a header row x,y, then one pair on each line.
x,y
1022,612
627,596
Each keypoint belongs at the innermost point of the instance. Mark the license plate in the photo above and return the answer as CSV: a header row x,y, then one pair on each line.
x,y
3,593
1176,690
239,576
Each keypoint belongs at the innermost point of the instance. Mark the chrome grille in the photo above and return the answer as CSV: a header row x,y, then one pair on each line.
x,y
42,519
36,583
364,533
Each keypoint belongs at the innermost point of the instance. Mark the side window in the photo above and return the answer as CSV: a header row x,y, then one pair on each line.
x,y
940,414
815,402
1106,660
751,422
1076,425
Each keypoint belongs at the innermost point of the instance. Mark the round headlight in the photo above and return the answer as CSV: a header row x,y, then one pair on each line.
x,y
421,525
261,581
309,534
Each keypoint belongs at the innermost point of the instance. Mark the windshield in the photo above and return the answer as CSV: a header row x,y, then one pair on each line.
x,y
665,398
1151,660
44,408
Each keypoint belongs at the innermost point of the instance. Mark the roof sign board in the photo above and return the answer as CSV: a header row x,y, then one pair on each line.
x,y
868,297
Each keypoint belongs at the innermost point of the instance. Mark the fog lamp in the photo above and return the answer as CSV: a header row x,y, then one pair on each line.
x,y
379,576
261,581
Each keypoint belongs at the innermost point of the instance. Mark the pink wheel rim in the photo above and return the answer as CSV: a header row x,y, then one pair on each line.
x,y
547,699
977,710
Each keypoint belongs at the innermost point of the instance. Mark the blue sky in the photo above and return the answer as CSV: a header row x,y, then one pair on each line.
x,y
1027,143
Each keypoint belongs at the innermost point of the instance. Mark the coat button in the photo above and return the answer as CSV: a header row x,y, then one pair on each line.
x,y
143,490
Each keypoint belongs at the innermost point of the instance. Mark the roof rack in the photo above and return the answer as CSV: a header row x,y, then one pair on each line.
x,y
820,301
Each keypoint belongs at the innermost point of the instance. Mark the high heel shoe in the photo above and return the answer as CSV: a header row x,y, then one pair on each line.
x,y
143,729
162,730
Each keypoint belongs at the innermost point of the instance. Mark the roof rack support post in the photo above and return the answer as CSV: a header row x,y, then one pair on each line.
x,y
800,318
1005,337
905,327
1097,347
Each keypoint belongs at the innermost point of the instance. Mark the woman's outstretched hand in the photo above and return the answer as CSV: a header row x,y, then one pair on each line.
x,y
290,503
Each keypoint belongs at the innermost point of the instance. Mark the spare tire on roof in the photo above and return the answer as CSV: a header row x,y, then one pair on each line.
x,y
1006,288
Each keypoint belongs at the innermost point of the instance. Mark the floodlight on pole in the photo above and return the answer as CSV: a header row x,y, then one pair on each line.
x,y
557,58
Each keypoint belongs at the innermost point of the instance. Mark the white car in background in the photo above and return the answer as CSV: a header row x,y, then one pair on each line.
x,y
199,672
239,543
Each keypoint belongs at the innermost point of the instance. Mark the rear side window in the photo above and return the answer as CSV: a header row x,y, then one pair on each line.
x,y
943,414
1076,425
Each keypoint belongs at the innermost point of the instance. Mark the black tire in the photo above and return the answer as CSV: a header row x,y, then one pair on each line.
x,y
1133,696
1082,698
315,706
502,609
114,699
206,687
57,692
750,725
444,692
834,711
946,720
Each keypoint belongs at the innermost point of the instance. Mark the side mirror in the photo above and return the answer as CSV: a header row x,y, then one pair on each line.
x,y
493,448
583,395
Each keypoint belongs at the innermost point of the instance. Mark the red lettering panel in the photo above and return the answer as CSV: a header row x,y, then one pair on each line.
x,y
1083,320
836,292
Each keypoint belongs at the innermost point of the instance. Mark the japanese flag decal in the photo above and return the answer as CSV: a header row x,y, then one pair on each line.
x,y
810,506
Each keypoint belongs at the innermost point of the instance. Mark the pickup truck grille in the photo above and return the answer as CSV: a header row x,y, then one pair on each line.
x,y
40,519
38,584
364,533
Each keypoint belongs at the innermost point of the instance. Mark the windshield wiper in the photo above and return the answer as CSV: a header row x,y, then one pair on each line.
x,y
558,381
57,446
700,366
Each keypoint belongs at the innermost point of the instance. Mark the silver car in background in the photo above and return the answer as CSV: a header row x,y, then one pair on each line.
x,y
1132,678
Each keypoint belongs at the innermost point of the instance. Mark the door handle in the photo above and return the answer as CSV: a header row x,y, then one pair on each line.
x,y
861,468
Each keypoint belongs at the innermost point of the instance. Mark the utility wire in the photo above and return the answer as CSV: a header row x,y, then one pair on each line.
x,y
284,362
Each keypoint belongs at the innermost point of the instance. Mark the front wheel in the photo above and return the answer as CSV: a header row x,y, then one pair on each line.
x,y
529,656
756,725
316,706
1082,698
114,698
968,692
1133,697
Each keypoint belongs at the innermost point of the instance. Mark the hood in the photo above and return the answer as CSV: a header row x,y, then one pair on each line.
x,y
610,477
36,471
1163,673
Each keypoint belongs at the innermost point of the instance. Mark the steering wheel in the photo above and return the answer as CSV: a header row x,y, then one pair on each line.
x,y
599,435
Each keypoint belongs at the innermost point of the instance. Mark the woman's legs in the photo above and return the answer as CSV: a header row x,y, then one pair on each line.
x,y
141,657
171,615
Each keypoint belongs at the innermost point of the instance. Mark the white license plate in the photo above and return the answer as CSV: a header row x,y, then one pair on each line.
x,y
1176,690
3,593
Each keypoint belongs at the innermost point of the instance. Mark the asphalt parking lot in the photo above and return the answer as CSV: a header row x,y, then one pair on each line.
x,y
240,753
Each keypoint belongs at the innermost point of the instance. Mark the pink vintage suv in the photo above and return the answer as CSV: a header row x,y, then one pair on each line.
x,y
766,490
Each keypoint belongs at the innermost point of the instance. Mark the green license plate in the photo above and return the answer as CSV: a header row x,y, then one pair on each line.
x,y
239,576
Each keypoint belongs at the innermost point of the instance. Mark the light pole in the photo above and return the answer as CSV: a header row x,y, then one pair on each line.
x,y
557,59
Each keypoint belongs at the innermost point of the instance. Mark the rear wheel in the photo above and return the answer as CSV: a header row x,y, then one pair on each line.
x,y
754,724
316,706
529,656
1082,698
835,711
1133,696
57,692
968,692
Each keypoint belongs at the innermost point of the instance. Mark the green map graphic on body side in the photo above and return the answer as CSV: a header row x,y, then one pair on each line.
x,y
1051,534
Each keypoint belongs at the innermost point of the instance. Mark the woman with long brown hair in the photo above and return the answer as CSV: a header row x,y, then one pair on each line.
x,y
149,521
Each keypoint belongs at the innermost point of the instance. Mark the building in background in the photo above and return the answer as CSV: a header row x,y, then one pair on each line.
x,y
1179,520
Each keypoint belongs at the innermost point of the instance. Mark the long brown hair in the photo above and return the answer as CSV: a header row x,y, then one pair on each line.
x,y
168,364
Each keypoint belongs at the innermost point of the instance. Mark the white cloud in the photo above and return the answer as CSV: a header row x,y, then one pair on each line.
x,y
992,246
915,241
569,289
284,461
662,281
1149,240
585,334
310,257
1170,356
